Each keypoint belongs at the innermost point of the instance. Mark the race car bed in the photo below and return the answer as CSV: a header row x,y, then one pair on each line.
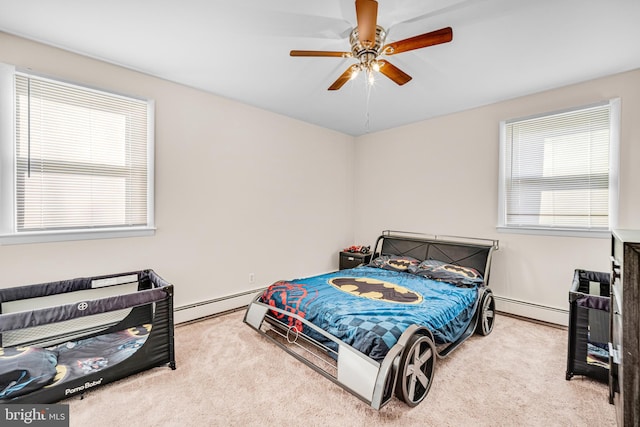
x,y
379,328
63,338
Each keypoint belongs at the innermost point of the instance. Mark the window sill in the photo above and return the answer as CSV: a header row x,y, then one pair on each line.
x,y
558,232
64,236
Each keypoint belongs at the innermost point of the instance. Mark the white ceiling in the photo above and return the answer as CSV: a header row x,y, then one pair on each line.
x,y
501,49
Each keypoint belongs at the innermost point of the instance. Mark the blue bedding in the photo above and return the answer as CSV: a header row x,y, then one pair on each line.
x,y
369,308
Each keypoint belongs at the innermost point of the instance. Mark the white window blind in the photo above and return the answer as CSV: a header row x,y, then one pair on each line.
x,y
557,170
81,157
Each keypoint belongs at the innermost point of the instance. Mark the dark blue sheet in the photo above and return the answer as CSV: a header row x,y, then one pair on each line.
x,y
369,308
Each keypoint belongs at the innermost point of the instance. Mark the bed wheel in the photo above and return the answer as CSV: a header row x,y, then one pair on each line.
x,y
487,314
416,370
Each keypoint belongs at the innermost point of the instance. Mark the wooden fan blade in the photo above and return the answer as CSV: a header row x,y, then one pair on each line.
x,y
345,77
393,72
320,53
367,16
443,35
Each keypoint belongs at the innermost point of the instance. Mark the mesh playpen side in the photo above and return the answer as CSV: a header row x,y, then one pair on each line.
x,y
588,351
60,339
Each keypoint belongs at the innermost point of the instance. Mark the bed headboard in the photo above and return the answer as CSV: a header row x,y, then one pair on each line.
x,y
465,251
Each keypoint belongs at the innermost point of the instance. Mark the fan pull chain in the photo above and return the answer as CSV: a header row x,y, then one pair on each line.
x,y
367,123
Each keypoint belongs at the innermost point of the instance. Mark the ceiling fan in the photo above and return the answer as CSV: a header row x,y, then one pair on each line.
x,y
367,44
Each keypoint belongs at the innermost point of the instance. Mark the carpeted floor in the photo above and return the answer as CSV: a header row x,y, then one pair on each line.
x,y
228,375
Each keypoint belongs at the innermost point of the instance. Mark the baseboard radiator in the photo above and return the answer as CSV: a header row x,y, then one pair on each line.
x,y
198,310
533,311
215,306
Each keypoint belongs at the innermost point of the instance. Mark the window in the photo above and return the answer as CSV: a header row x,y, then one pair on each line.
x,y
80,162
559,171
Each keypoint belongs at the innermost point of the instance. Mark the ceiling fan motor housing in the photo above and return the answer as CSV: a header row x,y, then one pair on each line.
x,y
366,55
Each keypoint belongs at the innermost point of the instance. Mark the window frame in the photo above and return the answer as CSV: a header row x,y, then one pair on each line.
x,y
614,162
8,168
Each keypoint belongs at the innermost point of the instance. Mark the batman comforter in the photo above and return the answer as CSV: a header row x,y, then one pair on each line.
x,y
369,308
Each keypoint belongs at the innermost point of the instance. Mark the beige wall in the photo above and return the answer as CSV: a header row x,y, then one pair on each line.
x,y
238,190
441,176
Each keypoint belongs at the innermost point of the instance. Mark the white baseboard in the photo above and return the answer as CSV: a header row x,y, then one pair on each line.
x,y
533,311
230,302
211,307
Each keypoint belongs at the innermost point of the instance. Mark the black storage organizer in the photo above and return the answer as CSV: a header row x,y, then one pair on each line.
x,y
589,300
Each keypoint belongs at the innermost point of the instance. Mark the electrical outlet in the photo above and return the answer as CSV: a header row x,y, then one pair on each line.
x,y
252,278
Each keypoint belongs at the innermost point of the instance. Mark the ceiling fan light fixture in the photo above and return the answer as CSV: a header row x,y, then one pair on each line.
x,y
355,70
